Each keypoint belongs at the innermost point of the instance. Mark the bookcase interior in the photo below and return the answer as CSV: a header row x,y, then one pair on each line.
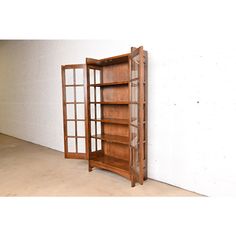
x,y
109,114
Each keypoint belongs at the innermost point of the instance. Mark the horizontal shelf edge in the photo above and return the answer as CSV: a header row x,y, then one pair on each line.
x,y
118,83
112,121
111,103
112,138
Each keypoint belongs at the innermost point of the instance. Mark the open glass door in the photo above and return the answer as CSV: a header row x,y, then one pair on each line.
x,y
74,110
137,116
95,129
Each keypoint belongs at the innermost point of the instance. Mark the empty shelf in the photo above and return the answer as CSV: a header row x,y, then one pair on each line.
x,y
112,138
113,121
112,103
114,164
110,84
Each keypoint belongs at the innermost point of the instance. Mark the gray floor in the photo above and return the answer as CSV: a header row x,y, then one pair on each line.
x,y
27,169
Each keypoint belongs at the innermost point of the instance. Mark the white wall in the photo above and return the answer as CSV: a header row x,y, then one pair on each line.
x,y
192,105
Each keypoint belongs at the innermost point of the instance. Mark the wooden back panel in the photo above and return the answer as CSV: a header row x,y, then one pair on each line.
x,y
116,73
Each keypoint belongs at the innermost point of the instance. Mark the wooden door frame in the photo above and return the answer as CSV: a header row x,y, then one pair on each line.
x,y
74,155
142,174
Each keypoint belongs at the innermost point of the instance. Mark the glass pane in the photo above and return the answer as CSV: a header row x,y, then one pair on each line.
x,y
92,127
136,159
69,76
80,128
79,94
69,94
135,67
99,144
92,111
70,111
98,94
134,91
71,145
134,114
79,75
98,127
80,111
98,77
70,128
93,145
91,76
98,107
81,145
91,94
134,136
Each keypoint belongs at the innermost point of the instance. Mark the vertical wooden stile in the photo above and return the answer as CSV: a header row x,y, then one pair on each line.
x,y
87,111
64,109
95,107
141,114
75,136
75,108
146,111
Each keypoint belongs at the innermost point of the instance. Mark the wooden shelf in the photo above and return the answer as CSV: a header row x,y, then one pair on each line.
x,y
111,163
110,84
112,121
136,79
112,138
112,103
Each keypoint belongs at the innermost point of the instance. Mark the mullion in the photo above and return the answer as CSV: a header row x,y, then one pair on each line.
x,y
131,161
136,126
101,107
95,106
75,119
74,102
76,138
141,114
75,85
138,114
72,136
64,108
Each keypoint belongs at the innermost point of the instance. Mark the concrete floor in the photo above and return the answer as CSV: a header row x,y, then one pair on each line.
x,y
27,169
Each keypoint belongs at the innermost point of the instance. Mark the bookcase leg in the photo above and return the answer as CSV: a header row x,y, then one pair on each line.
x,y
132,181
141,181
90,168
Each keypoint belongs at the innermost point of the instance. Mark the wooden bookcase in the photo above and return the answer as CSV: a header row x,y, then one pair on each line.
x,y
108,116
